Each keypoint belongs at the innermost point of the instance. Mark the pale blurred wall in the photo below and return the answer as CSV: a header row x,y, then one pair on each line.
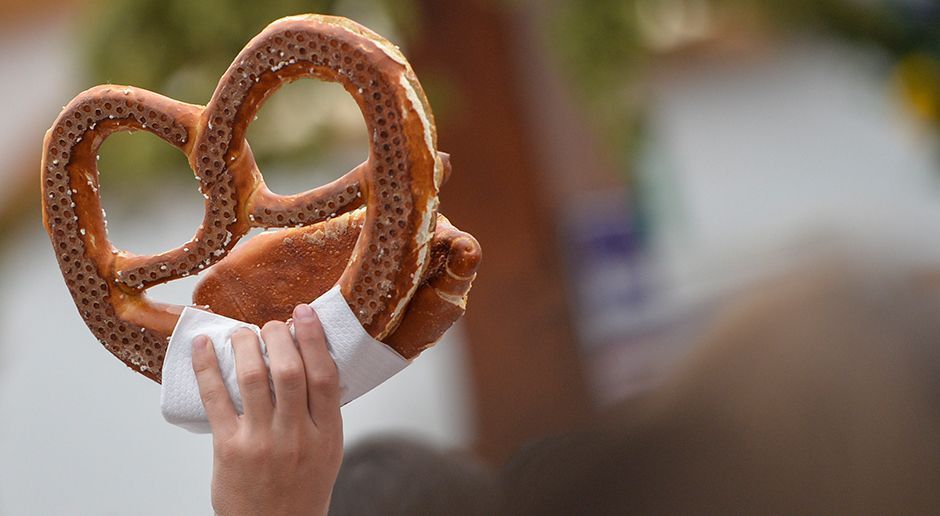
x,y
38,69
79,432
758,160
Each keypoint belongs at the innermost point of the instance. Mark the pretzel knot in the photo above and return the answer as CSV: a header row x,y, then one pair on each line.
x,y
374,231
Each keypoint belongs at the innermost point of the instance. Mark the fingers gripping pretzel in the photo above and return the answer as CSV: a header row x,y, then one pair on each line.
x,y
397,186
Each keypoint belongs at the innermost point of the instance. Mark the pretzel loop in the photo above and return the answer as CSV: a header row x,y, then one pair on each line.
x,y
75,221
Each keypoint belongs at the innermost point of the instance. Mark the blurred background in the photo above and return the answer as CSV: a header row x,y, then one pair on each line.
x,y
627,165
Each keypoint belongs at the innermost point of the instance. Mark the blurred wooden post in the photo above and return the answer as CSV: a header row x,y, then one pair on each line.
x,y
526,374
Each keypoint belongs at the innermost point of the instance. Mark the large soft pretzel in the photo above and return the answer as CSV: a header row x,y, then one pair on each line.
x,y
397,185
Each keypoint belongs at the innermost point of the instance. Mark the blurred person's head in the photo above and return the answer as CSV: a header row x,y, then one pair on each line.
x,y
819,392
399,476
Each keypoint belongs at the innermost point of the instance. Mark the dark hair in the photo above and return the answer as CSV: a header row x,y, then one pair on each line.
x,y
399,476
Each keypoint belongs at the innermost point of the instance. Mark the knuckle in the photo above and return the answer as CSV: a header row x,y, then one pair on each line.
x,y
325,380
212,396
291,373
201,367
253,377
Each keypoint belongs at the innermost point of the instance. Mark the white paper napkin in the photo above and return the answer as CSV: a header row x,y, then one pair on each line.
x,y
363,362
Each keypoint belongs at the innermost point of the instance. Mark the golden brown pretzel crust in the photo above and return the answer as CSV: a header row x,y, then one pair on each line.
x,y
442,298
132,328
267,277
398,184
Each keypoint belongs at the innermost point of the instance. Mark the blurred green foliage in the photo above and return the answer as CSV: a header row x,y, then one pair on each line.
x,y
597,44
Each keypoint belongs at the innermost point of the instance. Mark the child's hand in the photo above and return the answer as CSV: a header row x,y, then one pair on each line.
x,y
281,456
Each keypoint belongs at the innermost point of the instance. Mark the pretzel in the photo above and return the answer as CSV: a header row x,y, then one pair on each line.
x,y
272,273
396,188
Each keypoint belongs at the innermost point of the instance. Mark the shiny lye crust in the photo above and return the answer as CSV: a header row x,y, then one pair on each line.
x,y
265,278
397,186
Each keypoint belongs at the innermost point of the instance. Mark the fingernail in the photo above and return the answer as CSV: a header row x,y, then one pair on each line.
x,y
200,343
303,313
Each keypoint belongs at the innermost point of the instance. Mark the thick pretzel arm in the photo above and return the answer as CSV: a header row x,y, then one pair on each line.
x,y
265,278
270,210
